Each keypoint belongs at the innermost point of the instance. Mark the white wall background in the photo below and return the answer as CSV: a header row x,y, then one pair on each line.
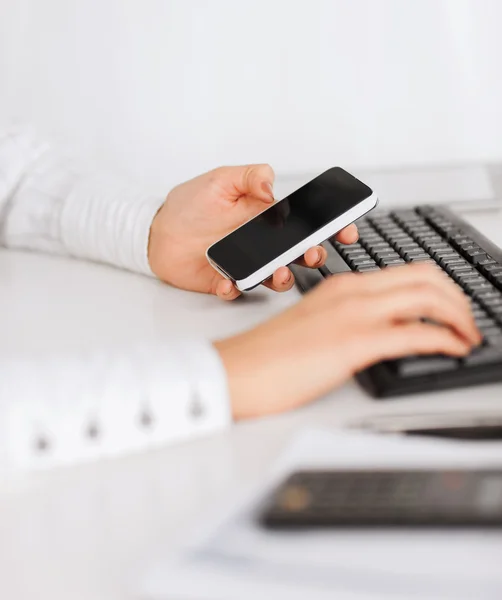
x,y
167,88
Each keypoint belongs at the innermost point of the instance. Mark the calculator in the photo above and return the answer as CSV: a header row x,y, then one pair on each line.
x,y
363,498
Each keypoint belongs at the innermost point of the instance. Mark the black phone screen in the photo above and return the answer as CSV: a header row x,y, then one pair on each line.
x,y
288,222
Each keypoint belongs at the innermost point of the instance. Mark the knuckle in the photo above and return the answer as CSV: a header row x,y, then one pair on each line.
x,y
258,172
266,169
423,290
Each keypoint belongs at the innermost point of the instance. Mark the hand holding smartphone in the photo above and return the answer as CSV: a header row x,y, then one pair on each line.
x,y
285,231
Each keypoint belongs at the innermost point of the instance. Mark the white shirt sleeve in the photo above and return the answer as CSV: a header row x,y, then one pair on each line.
x,y
47,205
58,410
65,409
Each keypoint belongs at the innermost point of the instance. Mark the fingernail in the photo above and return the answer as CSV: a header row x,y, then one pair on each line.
x,y
288,278
266,186
319,256
227,291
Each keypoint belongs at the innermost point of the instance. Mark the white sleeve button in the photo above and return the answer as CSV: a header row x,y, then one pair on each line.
x,y
196,407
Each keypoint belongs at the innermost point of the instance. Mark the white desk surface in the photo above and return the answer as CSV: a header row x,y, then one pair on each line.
x,y
84,533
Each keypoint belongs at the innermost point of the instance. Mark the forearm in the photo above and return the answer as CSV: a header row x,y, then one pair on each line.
x,y
46,205
65,409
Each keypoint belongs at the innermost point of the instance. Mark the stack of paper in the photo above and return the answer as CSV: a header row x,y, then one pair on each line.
x,y
238,560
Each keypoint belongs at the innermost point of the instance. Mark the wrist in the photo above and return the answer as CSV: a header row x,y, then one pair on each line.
x,y
259,366
243,377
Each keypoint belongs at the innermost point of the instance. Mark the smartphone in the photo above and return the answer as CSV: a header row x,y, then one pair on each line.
x,y
285,231
431,498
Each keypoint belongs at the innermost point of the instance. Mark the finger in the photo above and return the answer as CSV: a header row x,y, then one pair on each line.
x,y
281,281
418,301
226,290
254,180
313,258
420,274
388,279
348,235
405,340
348,285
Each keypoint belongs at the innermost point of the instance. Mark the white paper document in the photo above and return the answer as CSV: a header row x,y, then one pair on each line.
x,y
235,559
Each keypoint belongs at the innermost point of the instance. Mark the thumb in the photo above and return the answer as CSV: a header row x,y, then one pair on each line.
x,y
257,181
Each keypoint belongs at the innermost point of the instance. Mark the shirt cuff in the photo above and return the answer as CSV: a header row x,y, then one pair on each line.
x,y
63,410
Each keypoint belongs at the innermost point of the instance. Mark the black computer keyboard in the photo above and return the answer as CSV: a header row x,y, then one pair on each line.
x,y
430,235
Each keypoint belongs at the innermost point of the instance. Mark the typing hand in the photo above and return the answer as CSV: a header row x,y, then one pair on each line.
x,y
345,325
199,212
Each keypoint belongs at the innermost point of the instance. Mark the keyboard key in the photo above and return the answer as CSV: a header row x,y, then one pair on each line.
x,y
385,255
444,248
469,245
492,302
388,262
429,244
470,277
425,260
478,312
466,279
495,311
494,339
353,253
362,262
476,258
367,269
484,322
495,268
334,263
404,216
484,262
460,267
422,229
416,256
445,254
425,365
485,296
446,262
478,289
382,246
355,256
496,279
459,238
476,251
492,332
308,279
484,355
348,247
410,247
373,238
463,273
